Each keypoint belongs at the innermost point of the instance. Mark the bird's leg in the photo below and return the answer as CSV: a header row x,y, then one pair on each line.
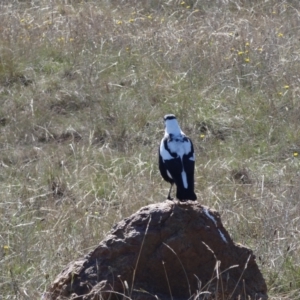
x,y
169,195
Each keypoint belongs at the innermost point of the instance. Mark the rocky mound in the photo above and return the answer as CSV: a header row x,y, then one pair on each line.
x,y
169,250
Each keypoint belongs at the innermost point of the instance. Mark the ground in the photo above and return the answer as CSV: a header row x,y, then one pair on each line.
x,y
84,86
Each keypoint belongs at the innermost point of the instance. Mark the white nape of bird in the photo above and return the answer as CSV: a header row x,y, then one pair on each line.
x,y
177,160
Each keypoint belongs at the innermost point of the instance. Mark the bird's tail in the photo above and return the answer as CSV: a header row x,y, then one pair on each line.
x,y
183,194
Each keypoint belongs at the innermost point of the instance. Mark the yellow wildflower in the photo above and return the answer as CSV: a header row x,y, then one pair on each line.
x,y
247,44
240,52
247,59
280,34
6,249
119,22
286,87
295,154
131,20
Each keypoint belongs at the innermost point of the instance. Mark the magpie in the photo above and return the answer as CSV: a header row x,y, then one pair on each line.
x,y
177,160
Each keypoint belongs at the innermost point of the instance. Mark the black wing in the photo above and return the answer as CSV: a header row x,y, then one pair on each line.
x,y
163,168
189,167
173,165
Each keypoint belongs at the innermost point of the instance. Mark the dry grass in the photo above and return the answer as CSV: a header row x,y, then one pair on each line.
x,y
83,88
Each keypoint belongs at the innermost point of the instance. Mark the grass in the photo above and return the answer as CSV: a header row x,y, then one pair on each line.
x,y
83,89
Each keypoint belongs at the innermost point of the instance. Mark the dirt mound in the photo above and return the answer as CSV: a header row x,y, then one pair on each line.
x,y
168,250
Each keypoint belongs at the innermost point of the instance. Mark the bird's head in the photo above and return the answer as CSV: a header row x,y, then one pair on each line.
x,y
171,125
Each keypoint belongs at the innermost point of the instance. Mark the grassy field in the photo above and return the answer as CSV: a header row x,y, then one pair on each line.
x,y
84,86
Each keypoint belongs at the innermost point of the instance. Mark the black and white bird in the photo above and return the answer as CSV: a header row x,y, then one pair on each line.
x,y
177,160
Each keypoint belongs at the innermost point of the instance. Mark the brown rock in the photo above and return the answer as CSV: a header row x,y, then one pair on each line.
x,y
169,250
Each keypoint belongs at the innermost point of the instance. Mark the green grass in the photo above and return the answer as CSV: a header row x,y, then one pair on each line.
x,y
83,89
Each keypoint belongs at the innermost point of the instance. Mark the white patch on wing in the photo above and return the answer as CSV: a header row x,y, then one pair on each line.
x,y
222,236
177,145
163,152
192,157
184,179
187,146
168,173
210,216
